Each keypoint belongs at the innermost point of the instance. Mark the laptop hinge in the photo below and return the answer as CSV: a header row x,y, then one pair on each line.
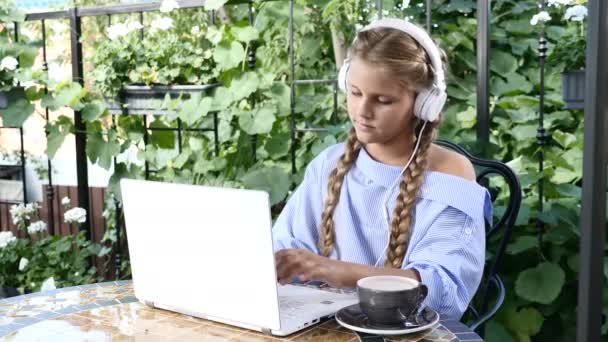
x,y
266,331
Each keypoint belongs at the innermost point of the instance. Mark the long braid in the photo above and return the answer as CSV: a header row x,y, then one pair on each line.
x,y
409,188
336,178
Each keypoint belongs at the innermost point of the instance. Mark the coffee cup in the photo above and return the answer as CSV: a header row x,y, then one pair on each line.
x,y
390,300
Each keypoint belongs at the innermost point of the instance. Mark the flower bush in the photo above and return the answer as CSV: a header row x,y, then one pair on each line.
x,y
39,261
570,52
170,52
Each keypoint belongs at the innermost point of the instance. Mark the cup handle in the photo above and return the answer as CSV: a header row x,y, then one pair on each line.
x,y
424,291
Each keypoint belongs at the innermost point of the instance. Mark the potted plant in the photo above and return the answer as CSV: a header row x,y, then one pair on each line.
x,y
569,53
138,65
16,61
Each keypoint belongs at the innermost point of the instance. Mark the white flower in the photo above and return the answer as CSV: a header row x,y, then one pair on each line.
x,y
576,13
36,227
48,285
76,274
6,238
65,201
117,30
31,208
162,24
557,3
18,213
542,16
195,30
133,26
75,215
23,263
168,6
405,4
8,63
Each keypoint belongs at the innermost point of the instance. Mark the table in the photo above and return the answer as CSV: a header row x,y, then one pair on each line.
x,y
110,312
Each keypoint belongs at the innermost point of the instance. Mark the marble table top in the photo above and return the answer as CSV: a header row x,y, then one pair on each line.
x,y
110,312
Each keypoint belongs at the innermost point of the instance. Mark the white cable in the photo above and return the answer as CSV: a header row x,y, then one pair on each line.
x,y
385,209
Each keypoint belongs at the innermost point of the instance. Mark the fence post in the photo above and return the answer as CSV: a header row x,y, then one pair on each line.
x,y
81,137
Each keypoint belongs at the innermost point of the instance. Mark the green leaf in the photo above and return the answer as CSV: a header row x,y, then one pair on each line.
x,y
215,34
524,323
212,5
562,175
280,93
574,261
161,138
258,121
222,98
58,130
121,170
496,332
245,34
228,56
244,85
569,190
189,110
182,158
520,26
17,113
274,180
525,132
522,244
101,151
566,140
277,145
468,118
69,95
516,84
93,110
196,144
541,284
502,63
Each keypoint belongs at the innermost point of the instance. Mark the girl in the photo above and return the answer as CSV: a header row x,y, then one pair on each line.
x,y
337,227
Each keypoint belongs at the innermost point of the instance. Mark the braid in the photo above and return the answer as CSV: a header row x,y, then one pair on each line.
x,y
409,187
336,178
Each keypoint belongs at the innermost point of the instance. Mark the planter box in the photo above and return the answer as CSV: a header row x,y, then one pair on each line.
x,y
573,89
9,96
140,100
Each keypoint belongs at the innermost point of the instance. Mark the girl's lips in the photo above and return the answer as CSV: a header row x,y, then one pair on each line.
x,y
364,126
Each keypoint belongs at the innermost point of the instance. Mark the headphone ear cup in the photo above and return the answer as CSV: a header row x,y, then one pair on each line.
x,y
342,75
429,103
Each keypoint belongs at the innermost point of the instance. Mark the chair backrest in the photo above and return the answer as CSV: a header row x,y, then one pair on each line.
x,y
480,310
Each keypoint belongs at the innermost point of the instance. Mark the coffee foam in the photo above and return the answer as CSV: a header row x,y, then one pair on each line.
x,y
388,283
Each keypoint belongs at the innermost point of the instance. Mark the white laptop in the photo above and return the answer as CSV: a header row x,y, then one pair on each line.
x,y
208,252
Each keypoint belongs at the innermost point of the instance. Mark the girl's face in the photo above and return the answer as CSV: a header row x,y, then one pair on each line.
x,y
380,108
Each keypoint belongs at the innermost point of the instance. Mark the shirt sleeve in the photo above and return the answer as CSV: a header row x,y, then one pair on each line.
x,y
450,260
297,225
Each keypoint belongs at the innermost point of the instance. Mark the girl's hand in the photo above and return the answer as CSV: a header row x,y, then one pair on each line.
x,y
307,266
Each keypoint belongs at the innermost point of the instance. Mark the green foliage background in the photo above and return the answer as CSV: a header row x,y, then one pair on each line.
x,y
253,107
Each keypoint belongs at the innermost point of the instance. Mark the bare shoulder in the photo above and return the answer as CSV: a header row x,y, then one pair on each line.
x,y
450,162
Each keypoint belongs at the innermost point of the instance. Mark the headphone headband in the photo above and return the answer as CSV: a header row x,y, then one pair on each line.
x,y
421,37
429,101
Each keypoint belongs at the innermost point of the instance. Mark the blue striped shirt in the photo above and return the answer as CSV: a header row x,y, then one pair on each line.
x,y
447,244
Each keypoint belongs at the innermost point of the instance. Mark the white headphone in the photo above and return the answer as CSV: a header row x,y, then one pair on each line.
x,y
429,102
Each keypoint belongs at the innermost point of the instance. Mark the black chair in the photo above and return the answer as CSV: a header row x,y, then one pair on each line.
x,y
480,310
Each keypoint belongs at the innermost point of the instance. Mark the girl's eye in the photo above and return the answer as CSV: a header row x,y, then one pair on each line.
x,y
383,100
355,93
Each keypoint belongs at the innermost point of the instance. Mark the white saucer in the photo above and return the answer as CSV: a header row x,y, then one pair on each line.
x,y
351,317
